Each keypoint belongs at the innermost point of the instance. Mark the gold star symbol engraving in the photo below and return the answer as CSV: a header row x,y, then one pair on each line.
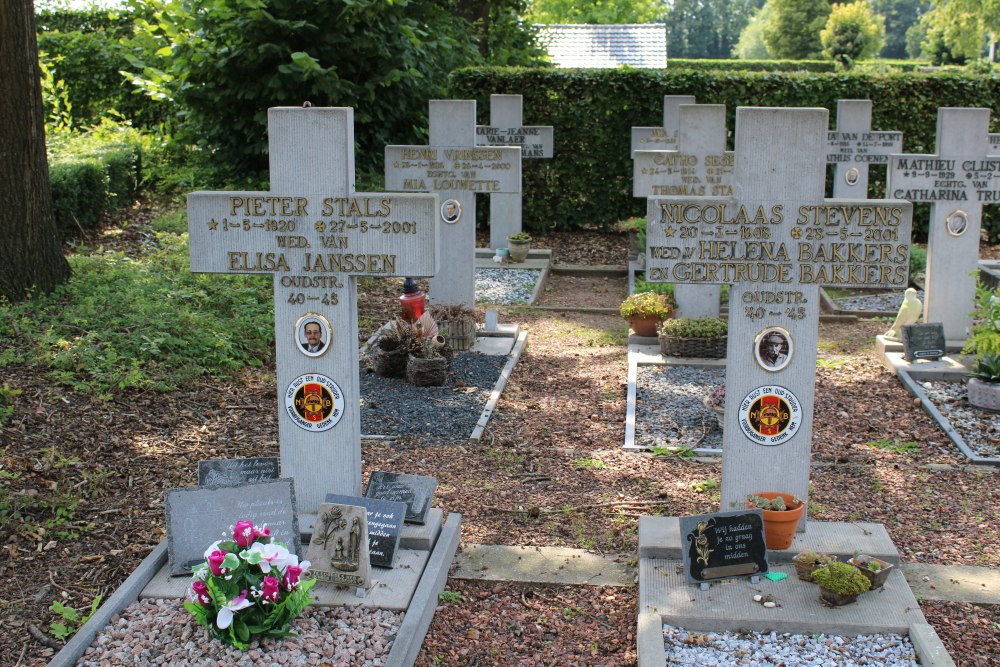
x,y
212,224
670,231
320,226
796,232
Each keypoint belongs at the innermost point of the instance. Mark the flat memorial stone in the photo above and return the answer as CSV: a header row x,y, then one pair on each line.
x,y
385,523
338,550
416,491
198,517
923,341
723,545
231,472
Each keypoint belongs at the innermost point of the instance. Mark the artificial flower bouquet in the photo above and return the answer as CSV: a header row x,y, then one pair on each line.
x,y
248,587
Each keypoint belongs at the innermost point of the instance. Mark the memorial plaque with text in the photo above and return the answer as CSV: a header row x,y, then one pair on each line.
x,y
725,544
416,491
385,522
228,472
198,517
923,341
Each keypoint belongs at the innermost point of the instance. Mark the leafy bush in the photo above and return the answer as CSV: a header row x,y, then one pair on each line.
x,y
841,578
739,65
699,327
590,181
987,368
918,259
985,338
644,304
853,32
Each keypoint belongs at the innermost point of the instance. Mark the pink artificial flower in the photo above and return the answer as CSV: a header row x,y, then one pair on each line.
x,y
263,531
215,562
270,591
291,576
244,533
200,591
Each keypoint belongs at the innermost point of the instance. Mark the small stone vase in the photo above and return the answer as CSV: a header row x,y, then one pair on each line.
x,y
984,395
518,250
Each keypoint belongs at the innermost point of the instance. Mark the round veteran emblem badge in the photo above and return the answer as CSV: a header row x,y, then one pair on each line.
x,y
314,402
770,415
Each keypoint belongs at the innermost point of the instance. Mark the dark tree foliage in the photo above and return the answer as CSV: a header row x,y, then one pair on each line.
x,y
899,16
707,28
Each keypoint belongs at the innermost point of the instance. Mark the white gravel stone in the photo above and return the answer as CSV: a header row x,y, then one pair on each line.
x,y
886,302
979,428
505,286
669,411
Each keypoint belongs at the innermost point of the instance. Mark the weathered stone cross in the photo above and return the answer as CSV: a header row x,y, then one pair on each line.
x,y
456,169
776,241
661,138
854,145
507,128
314,234
958,181
700,167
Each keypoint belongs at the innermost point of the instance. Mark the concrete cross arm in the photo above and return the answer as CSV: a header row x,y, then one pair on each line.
x,y
371,234
484,169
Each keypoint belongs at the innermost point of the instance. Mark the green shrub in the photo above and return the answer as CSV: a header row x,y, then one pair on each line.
x,y
644,304
79,193
842,578
590,181
699,327
918,259
739,65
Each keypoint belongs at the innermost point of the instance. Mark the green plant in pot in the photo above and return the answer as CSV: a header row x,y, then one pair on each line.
x,y
703,337
840,583
635,228
984,381
876,569
518,245
808,561
644,312
782,512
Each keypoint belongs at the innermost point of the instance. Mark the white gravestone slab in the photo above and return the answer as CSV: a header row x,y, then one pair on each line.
x,y
853,146
507,128
994,139
661,138
700,167
314,234
958,181
776,241
456,169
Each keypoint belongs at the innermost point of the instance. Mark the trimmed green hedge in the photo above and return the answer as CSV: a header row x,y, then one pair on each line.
x,y
589,180
85,186
736,65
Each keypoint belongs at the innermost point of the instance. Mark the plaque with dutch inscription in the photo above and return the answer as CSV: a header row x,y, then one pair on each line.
x,y
198,517
416,491
385,522
723,545
923,341
232,472
338,550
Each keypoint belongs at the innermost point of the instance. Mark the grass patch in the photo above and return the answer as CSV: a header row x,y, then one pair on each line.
x,y
593,463
895,445
141,323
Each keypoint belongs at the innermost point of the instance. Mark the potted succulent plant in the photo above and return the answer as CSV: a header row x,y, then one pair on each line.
x,y
984,381
840,583
808,561
644,312
518,245
876,569
782,512
716,403
703,337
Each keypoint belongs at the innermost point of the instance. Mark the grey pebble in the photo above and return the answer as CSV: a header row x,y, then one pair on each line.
x,y
669,410
980,429
505,286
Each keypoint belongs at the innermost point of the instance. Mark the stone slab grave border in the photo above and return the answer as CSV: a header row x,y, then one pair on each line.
x,y
537,260
665,596
911,378
483,338
649,355
405,647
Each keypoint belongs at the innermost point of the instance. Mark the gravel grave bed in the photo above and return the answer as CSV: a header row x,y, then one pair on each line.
x,y
888,301
163,632
435,415
505,286
669,410
760,649
979,428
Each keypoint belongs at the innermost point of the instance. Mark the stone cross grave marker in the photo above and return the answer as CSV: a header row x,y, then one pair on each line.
x,y
454,167
699,167
994,139
854,145
775,241
958,181
507,128
661,138
314,234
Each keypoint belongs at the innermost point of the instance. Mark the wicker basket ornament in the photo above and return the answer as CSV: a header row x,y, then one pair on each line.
x,y
426,372
705,348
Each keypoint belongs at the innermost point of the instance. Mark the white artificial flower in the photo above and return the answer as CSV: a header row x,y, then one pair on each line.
x,y
225,617
268,556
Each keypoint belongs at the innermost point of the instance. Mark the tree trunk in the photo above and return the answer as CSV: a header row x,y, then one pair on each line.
x,y
30,250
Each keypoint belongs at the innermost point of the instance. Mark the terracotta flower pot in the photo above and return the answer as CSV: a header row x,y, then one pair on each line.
x,y
779,527
645,326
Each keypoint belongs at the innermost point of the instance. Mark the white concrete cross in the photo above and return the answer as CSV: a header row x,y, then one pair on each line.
x,y
507,128
957,181
661,138
314,234
775,241
700,167
454,167
854,145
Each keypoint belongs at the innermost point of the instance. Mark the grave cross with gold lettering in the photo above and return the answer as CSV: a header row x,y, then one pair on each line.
x,y
664,137
958,181
854,145
454,167
775,241
314,234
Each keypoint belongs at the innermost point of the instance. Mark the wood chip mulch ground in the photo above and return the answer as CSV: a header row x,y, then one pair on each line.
x,y
550,472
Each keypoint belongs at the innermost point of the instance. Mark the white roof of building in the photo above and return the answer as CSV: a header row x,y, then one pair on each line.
x,y
579,45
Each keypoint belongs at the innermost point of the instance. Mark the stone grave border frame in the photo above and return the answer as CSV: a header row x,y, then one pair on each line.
x,y
405,647
910,379
539,259
520,342
649,355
